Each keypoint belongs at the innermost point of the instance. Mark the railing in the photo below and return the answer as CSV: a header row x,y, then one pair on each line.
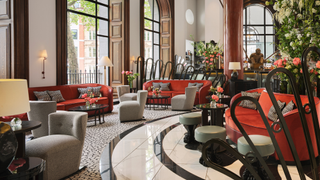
x,y
84,77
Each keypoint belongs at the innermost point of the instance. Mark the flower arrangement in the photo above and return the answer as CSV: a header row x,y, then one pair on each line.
x,y
212,89
219,90
299,25
130,77
156,91
214,100
89,98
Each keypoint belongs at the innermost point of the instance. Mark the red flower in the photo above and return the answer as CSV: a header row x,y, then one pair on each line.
x,y
211,59
296,61
122,72
204,54
207,58
318,64
220,89
214,97
127,72
92,100
85,95
154,92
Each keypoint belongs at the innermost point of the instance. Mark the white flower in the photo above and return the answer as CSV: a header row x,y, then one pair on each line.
x,y
291,43
317,3
276,6
299,36
287,35
293,47
308,34
314,10
300,43
299,16
288,67
295,71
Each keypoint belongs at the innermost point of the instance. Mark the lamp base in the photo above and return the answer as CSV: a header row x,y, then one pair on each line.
x,y
234,75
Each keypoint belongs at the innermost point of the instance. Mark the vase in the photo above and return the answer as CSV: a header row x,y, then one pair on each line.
x,y
8,146
131,84
213,104
87,104
159,95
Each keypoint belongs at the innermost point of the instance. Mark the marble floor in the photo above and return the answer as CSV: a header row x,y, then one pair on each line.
x,y
156,151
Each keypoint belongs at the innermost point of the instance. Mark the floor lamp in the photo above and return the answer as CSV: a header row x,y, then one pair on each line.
x,y
106,62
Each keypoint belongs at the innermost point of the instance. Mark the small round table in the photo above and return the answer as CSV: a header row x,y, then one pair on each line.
x,y
224,99
216,114
20,133
98,109
151,99
25,168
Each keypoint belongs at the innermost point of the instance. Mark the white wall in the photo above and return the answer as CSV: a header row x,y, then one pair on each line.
x,y
134,31
200,20
42,35
213,21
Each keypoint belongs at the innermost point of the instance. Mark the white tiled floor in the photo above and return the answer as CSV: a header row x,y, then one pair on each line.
x,y
133,157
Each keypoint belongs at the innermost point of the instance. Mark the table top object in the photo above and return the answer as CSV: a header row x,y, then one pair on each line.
x,y
158,97
84,107
25,126
8,144
208,107
220,97
24,168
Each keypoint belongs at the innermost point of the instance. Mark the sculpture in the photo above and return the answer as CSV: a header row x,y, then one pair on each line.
x,y
256,57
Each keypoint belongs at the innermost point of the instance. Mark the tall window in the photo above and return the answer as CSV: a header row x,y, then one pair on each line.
x,y
91,19
258,30
151,31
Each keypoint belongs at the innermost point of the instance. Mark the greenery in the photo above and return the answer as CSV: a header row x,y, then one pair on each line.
x,y
85,7
147,14
299,25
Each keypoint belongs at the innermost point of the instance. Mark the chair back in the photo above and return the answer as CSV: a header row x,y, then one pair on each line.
x,y
123,89
39,111
191,93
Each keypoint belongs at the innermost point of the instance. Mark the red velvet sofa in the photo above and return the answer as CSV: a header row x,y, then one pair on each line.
x,y
252,123
178,87
70,94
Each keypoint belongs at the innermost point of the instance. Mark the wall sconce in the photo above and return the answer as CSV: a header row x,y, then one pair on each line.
x,y
43,55
133,60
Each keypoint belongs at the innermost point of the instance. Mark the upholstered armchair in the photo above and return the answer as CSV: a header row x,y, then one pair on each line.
x,y
39,111
124,93
62,148
184,101
133,110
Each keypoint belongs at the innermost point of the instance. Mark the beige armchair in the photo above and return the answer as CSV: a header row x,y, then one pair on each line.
x,y
124,93
133,110
62,148
184,101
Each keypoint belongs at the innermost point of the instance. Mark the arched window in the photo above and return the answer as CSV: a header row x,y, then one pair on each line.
x,y
258,30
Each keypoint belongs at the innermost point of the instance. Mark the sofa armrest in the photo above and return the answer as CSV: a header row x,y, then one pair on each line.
x,y
107,91
203,92
259,90
146,85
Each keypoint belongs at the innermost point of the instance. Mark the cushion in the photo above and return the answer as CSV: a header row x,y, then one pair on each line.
x,y
56,96
272,115
82,91
164,86
290,106
95,90
247,103
156,85
42,95
198,85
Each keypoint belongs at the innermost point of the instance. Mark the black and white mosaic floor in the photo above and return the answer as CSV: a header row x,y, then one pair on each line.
x,y
98,137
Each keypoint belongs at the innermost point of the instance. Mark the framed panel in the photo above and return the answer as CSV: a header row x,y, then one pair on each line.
x,y
5,51
117,31
165,55
116,59
116,11
5,9
166,27
165,40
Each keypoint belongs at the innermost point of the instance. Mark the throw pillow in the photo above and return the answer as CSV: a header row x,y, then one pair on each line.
x,y
164,86
198,85
290,106
156,85
56,96
95,90
42,95
82,91
247,103
272,115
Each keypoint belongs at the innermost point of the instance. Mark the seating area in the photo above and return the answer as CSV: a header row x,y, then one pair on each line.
x,y
159,89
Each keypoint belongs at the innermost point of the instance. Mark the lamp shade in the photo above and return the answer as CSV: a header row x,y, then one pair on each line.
x,y
234,66
14,97
44,54
105,61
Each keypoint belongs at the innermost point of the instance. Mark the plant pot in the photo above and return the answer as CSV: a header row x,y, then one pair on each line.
x,y
8,146
213,104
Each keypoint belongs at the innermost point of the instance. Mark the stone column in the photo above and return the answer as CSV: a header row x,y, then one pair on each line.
x,y
233,35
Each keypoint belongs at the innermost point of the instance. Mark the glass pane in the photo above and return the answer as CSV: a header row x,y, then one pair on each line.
x,y
103,11
269,45
257,30
244,16
148,24
252,45
255,14
156,27
103,27
156,11
269,19
147,9
81,60
270,30
103,50
82,6
104,1
156,52
156,38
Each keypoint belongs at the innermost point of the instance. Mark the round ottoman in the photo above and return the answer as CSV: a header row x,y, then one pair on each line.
x,y
264,146
190,121
206,133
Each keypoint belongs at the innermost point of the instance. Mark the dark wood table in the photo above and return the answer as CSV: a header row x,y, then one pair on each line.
x,y
224,99
20,133
161,99
216,114
98,110
25,168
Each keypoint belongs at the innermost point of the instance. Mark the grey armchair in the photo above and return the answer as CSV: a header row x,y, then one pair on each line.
x,y
62,148
184,101
124,93
39,111
133,110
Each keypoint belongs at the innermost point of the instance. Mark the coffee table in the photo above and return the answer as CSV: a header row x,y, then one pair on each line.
x,y
98,109
224,99
20,133
216,114
160,99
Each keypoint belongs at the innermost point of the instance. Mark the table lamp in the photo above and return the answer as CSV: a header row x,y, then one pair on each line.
x,y
234,66
106,62
14,100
